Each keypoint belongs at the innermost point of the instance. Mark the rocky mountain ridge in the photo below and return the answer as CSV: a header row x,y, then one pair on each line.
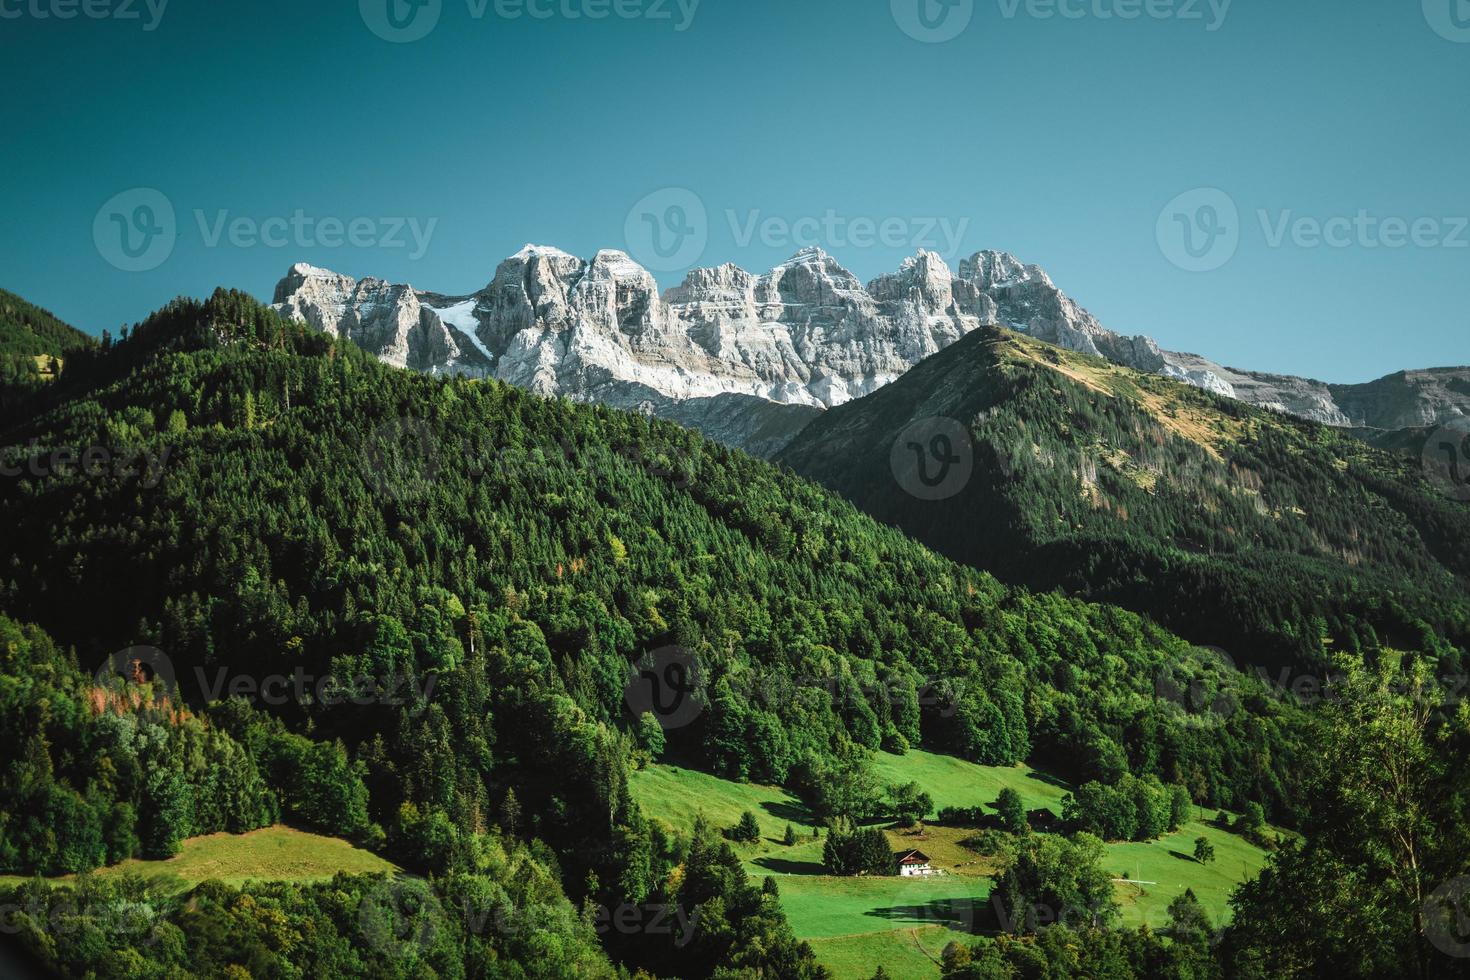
x,y
751,359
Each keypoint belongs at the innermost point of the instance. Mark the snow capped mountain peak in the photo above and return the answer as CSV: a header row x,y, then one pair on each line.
x,y
802,337
307,271
530,251
617,265
809,253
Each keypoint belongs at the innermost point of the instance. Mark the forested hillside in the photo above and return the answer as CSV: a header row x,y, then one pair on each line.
x,y
1276,539
33,343
472,571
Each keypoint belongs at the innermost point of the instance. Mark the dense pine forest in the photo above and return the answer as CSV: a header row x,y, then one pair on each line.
x,y
451,583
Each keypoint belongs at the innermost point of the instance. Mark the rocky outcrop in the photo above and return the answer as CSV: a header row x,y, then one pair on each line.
x,y
388,320
1408,399
751,359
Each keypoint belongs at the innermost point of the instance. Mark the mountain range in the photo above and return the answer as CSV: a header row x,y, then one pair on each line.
x,y
750,360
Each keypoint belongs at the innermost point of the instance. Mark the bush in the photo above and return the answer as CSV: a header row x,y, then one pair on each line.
x,y
747,831
860,852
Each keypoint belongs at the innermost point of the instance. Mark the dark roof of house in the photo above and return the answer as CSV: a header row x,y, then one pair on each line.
x,y
913,857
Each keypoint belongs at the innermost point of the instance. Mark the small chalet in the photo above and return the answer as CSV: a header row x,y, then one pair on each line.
x,y
912,864
1042,819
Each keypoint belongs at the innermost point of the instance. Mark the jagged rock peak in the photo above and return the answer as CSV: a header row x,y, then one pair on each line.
x,y
990,269
816,263
303,273
727,283
613,264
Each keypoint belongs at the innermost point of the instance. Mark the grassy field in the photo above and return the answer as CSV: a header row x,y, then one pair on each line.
x,y
902,952
904,923
677,796
1168,864
955,782
273,854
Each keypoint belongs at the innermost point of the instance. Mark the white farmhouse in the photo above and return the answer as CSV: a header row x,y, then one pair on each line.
x,y
914,864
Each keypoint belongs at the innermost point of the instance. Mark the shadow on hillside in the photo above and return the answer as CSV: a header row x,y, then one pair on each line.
x,y
956,913
786,866
791,812
1184,857
1050,780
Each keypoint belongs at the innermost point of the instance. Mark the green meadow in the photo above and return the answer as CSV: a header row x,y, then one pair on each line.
x,y
276,853
904,923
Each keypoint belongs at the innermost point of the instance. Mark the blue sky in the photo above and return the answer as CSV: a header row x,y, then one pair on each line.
x,y
1067,140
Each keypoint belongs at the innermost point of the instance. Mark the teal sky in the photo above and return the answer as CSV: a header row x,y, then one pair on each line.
x,y
1060,138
